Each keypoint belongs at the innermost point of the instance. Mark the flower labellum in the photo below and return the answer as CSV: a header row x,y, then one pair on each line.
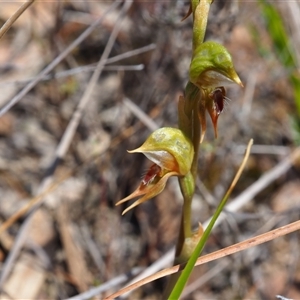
x,y
216,105
218,96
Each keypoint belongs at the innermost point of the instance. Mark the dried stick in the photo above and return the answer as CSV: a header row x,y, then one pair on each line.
x,y
92,67
143,117
257,240
14,17
105,286
34,201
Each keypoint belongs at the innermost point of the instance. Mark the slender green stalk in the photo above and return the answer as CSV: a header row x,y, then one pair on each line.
x,y
200,13
184,275
189,123
196,137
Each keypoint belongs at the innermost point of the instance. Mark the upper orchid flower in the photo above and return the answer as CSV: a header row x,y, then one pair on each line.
x,y
212,66
172,154
211,69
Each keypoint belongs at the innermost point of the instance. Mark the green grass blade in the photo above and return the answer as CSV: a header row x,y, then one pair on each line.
x,y
182,280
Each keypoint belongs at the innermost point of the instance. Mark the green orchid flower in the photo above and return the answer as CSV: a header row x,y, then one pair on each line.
x,y
172,154
211,69
212,66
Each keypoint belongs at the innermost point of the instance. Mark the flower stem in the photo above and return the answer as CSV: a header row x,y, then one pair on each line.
x,y
200,14
189,124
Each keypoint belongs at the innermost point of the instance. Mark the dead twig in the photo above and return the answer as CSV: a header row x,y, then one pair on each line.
x,y
92,67
34,201
106,286
6,26
257,240
143,117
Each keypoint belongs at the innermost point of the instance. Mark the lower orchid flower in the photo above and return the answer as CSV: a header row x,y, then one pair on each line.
x,y
172,154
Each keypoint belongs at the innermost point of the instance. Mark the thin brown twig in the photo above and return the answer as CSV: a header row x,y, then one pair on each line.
x,y
249,243
87,68
142,116
6,26
32,202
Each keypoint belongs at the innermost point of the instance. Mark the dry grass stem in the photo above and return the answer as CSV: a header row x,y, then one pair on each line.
x,y
255,241
144,118
240,170
6,26
31,203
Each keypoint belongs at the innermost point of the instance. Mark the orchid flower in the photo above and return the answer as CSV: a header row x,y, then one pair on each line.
x,y
172,154
211,69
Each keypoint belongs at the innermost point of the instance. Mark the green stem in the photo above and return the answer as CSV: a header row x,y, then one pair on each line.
x,y
189,123
187,187
200,21
196,137
194,4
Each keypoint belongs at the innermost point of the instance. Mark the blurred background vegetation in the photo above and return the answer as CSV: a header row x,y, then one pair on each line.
x,y
78,238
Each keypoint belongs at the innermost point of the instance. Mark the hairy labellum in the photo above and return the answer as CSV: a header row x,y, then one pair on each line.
x,y
151,174
218,96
